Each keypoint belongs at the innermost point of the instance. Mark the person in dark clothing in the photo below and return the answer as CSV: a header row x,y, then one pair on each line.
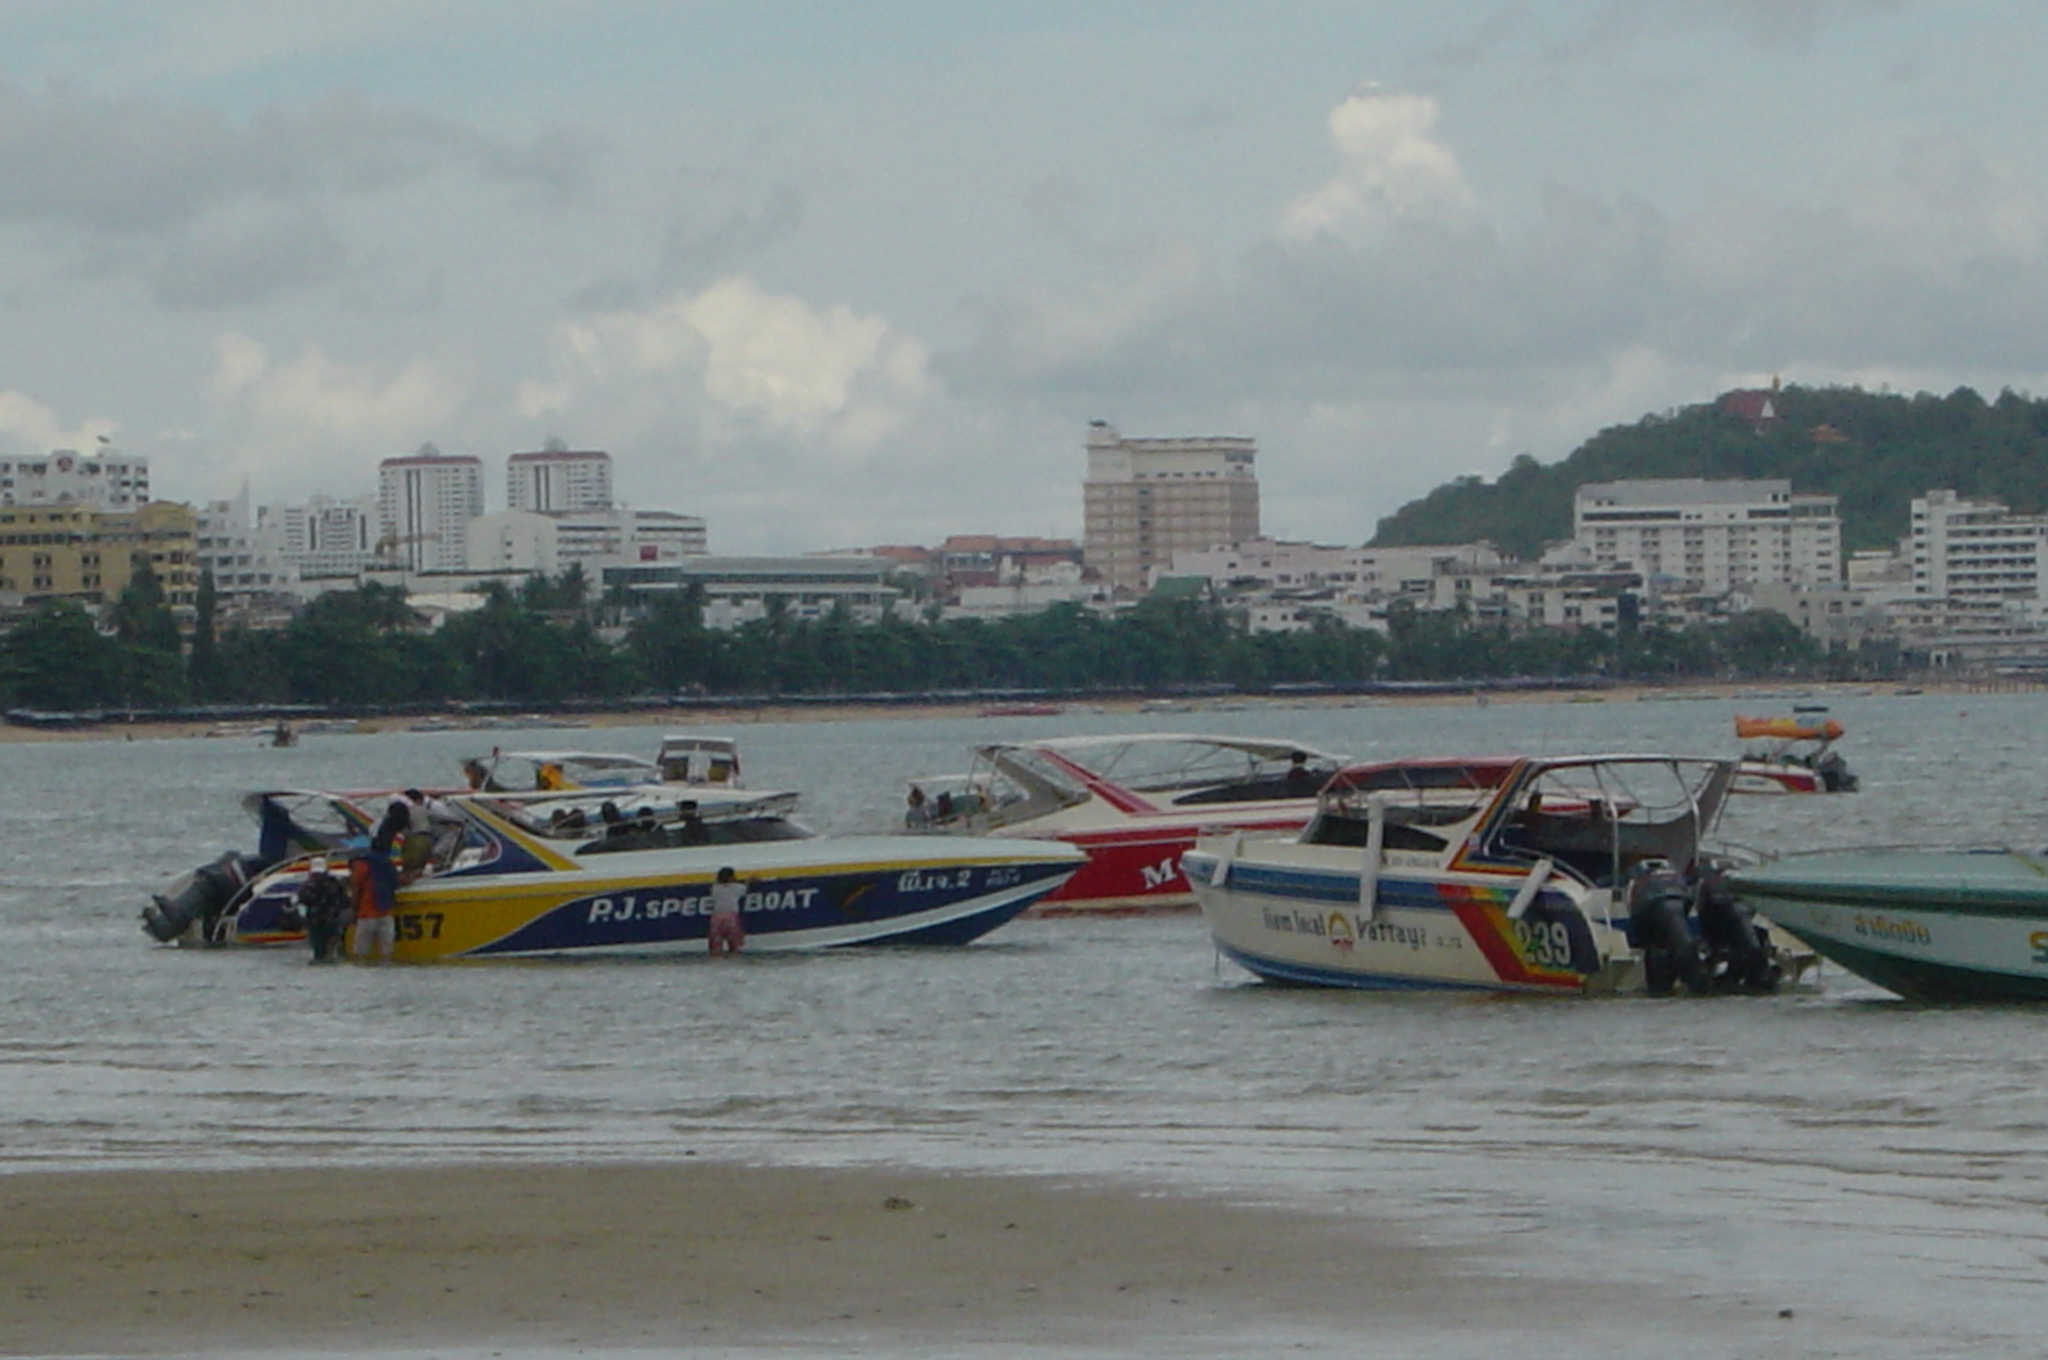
x,y
325,901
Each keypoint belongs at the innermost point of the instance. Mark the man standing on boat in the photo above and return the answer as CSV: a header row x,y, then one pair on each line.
x,y
726,935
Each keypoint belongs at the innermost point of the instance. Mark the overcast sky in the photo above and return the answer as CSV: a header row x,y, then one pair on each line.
x,y
845,274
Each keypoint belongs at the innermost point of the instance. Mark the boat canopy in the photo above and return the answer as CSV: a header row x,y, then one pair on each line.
x,y
695,758
1598,815
1190,769
1787,729
543,771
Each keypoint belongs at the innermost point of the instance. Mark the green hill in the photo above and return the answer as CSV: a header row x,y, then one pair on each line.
x,y
1876,451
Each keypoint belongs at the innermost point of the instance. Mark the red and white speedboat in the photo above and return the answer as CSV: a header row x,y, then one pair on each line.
x,y
1792,755
1134,803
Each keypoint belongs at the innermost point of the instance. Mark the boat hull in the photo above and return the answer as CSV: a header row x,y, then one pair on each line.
x,y
1305,925
906,890
1137,868
1930,925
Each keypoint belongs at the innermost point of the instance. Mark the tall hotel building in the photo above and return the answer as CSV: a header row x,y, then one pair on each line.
x,y
1712,537
1145,498
1979,552
424,506
558,478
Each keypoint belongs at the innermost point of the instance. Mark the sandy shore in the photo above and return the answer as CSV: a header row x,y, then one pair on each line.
x,y
694,1254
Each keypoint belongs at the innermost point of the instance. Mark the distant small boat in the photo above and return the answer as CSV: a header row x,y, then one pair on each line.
x,y
1931,925
1796,755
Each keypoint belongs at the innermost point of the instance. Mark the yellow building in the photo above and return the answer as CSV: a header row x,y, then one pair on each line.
x,y
81,553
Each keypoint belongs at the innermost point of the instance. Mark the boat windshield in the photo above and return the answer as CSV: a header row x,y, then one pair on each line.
x,y
543,771
1603,817
649,818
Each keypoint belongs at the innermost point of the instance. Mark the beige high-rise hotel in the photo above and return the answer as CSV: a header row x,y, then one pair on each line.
x,y
1146,497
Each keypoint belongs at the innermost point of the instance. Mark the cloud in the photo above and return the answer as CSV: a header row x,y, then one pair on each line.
x,y
824,377
694,249
174,193
313,423
1392,170
28,427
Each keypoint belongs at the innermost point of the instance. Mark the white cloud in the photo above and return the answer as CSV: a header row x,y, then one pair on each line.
x,y
1391,168
315,423
821,376
28,427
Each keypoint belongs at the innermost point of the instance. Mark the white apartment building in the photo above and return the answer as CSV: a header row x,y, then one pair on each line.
x,y
1358,573
557,478
106,479
738,590
328,537
1978,553
424,505
616,534
1708,537
513,541
1145,499
244,550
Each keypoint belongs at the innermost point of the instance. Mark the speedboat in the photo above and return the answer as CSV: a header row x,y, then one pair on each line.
x,y
688,758
1569,875
1133,803
1792,755
1929,924
583,871
292,824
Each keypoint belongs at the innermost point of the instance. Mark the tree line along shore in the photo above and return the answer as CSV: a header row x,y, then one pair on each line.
x,y
553,645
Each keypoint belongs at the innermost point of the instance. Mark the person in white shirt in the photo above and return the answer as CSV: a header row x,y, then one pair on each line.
x,y
727,936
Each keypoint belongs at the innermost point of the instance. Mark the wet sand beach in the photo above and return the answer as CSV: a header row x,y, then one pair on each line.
x,y
536,1256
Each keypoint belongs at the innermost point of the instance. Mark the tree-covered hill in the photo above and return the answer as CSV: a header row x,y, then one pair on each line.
x,y
1876,451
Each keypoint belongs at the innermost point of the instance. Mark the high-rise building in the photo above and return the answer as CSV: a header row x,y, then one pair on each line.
x,y
244,550
1144,498
557,478
1711,537
1978,552
328,536
110,480
424,505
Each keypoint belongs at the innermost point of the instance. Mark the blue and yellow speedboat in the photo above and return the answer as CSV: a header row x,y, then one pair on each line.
x,y
611,870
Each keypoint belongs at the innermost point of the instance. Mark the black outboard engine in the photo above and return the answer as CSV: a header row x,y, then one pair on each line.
x,y
1834,772
1658,905
1738,949
199,896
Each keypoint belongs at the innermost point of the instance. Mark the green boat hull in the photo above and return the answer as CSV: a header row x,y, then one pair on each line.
x,y
1931,925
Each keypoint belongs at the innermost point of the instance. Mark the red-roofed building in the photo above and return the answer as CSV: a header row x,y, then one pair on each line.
x,y
1756,407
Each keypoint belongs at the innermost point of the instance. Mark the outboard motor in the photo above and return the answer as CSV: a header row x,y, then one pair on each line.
x,y
199,897
1738,949
1834,772
1657,910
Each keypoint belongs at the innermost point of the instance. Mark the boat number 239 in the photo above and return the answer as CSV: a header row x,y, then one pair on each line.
x,y
1543,944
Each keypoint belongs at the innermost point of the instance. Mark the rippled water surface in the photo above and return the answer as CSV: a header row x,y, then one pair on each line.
x,y
1881,1168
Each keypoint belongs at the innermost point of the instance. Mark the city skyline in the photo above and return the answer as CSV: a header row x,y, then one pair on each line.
x,y
830,275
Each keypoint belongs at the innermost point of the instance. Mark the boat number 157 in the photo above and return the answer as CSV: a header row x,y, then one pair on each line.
x,y
1544,944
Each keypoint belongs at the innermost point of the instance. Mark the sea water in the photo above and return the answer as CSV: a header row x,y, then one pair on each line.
x,y
1879,1168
